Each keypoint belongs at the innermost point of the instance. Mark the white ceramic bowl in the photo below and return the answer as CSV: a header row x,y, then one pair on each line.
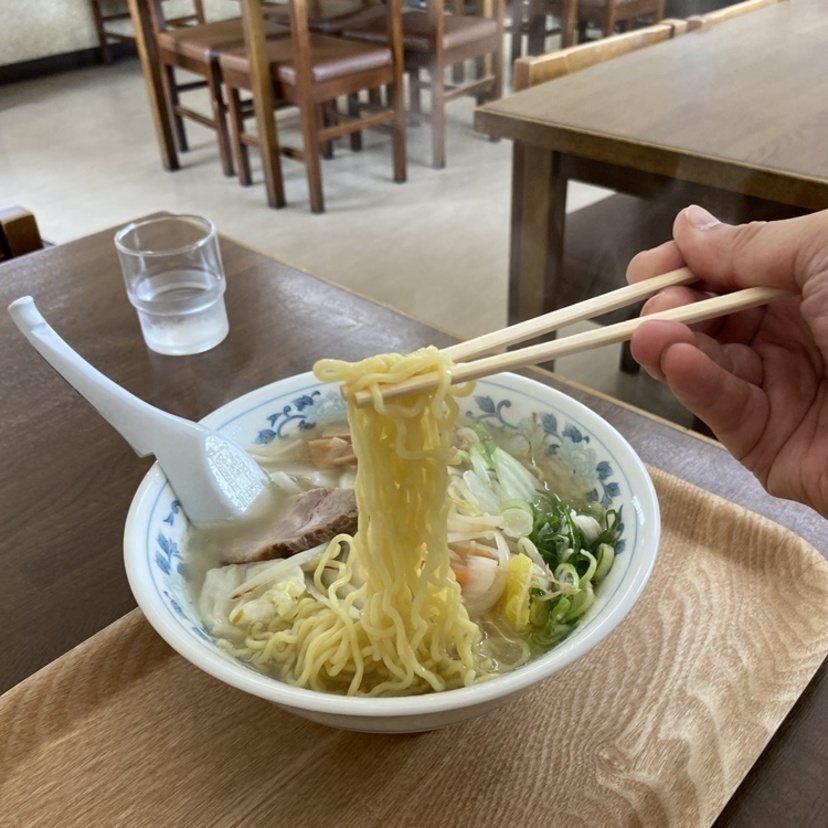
x,y
156,529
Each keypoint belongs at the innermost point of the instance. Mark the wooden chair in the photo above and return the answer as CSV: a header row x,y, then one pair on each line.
x,y
627,224
704,21
536,22
540,19
115,11
436,40
19,233
610,15
530,71
312,72
330,17
195,49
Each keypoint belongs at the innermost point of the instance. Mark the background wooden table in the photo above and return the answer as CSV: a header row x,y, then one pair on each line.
x,y
67,478
735,115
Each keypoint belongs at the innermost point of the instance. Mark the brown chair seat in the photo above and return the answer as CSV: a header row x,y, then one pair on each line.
x,y
417,31
331,58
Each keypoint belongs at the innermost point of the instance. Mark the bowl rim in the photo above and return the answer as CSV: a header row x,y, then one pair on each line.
x,y
247,679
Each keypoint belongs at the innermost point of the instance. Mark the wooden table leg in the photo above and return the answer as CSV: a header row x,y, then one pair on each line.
x,y
145,41
537,231
569,20
262,89
536,34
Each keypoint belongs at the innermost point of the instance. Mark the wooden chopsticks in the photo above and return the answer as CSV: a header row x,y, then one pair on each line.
x,y
463,352
606,302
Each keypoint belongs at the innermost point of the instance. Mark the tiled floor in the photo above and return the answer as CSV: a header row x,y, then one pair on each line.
x,y
79,150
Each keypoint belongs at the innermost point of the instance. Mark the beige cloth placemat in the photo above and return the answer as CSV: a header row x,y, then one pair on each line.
x,y
657,726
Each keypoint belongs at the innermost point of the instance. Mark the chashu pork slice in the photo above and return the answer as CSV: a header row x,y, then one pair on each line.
x,y
314,518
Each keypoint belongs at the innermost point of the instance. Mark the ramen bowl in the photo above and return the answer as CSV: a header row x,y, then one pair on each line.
x,y
156,535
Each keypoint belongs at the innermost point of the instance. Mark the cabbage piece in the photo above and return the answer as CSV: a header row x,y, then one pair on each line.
x,y
516,481
494,480
482,493
216,600
278,600
228,588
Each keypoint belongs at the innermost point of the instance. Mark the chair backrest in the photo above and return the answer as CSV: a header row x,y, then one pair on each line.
x,y
530,71
105,12
438,9
609,13
325,16
704,21
301,16
162,22
191,18
328,9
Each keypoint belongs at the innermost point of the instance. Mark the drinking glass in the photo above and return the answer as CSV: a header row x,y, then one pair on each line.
x,y
174,278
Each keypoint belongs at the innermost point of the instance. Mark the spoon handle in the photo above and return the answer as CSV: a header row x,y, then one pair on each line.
x,y
135,420
213,477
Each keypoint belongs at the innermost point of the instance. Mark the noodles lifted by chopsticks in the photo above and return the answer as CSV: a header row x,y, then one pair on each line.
x,y
411,632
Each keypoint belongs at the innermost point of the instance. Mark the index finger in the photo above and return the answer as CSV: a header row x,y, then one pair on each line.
x,y
654,262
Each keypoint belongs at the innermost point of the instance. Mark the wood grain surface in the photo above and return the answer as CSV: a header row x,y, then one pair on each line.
x,y
696,108
732,118
656,727
66,481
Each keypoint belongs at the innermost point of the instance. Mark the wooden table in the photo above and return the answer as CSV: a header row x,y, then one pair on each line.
x,y
67,478
736,112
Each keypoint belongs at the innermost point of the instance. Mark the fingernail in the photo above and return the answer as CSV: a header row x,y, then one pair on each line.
x,y
699,218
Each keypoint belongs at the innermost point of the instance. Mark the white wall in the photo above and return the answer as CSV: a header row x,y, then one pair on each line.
x,y
31,29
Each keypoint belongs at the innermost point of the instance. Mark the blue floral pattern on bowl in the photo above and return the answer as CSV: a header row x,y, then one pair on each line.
x,y
570,443
302,413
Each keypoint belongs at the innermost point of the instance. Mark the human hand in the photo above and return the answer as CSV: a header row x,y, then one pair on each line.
x,y
758,378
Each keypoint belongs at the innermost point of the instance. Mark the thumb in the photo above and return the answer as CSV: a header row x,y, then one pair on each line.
x,y
726,257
